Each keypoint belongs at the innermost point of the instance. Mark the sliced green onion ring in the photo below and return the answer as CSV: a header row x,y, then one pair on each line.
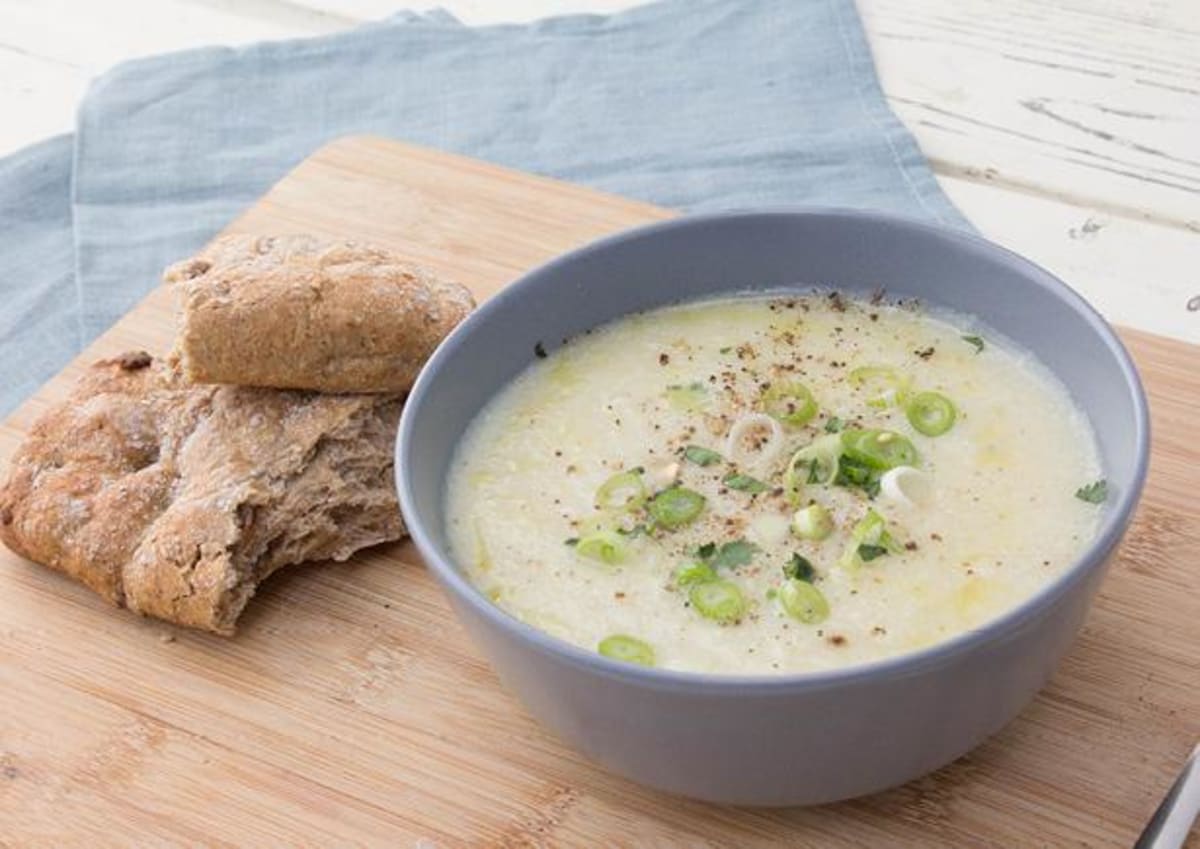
x,y
812,522
675,507
626,648
906,486
767,448
694,573
802,601
871,530
688,398
605,546
789,402
720,601
930,413
824,452
879,449
769,528
623,491
884,385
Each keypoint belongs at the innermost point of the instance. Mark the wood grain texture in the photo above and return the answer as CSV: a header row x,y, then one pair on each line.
x,y
351,709
1136,273
1041,119
1069,131
1097,104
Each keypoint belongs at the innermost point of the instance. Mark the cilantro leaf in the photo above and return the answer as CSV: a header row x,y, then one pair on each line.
x,y
857,475
800,568
743,483
1093,493
833,425
869,552
728,555
735,553
701,456
977,341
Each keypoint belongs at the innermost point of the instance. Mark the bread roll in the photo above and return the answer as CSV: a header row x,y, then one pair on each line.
x,y
296,313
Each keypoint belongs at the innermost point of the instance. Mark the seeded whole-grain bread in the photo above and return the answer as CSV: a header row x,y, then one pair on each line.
x,y
296,312
176,500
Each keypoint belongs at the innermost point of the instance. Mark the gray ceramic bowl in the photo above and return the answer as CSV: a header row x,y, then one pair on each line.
x,y
794,739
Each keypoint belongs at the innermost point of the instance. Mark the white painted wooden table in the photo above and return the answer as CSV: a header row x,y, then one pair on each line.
x,y
1068,130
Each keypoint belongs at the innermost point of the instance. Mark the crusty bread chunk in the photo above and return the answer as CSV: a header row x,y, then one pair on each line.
x,y
297,313
176,500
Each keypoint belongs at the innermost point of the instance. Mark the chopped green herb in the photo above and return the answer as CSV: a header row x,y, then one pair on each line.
x,y
772,592
743,483
701,456
833,425
675,507
869,552
1093,493
729,555
626,648
726,349
977,341
572,541
734,554
800,568
855,474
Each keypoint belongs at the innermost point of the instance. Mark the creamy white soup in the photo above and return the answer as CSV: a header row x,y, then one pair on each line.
x,y
773,485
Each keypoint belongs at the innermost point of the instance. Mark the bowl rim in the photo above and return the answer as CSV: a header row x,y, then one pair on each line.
x,y
456,583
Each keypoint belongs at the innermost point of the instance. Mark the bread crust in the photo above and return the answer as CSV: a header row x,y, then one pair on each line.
x,y
295,312
176,500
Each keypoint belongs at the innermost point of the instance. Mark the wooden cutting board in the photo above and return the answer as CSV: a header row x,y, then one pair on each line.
x,y
351,710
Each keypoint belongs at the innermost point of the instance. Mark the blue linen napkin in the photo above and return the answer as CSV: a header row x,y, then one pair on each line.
x,y
40,328
694,104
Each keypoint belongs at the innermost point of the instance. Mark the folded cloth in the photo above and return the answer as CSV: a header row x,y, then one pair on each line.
x,y
40,326
695,104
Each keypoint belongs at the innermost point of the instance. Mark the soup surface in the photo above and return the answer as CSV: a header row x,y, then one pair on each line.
x,y
772,485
